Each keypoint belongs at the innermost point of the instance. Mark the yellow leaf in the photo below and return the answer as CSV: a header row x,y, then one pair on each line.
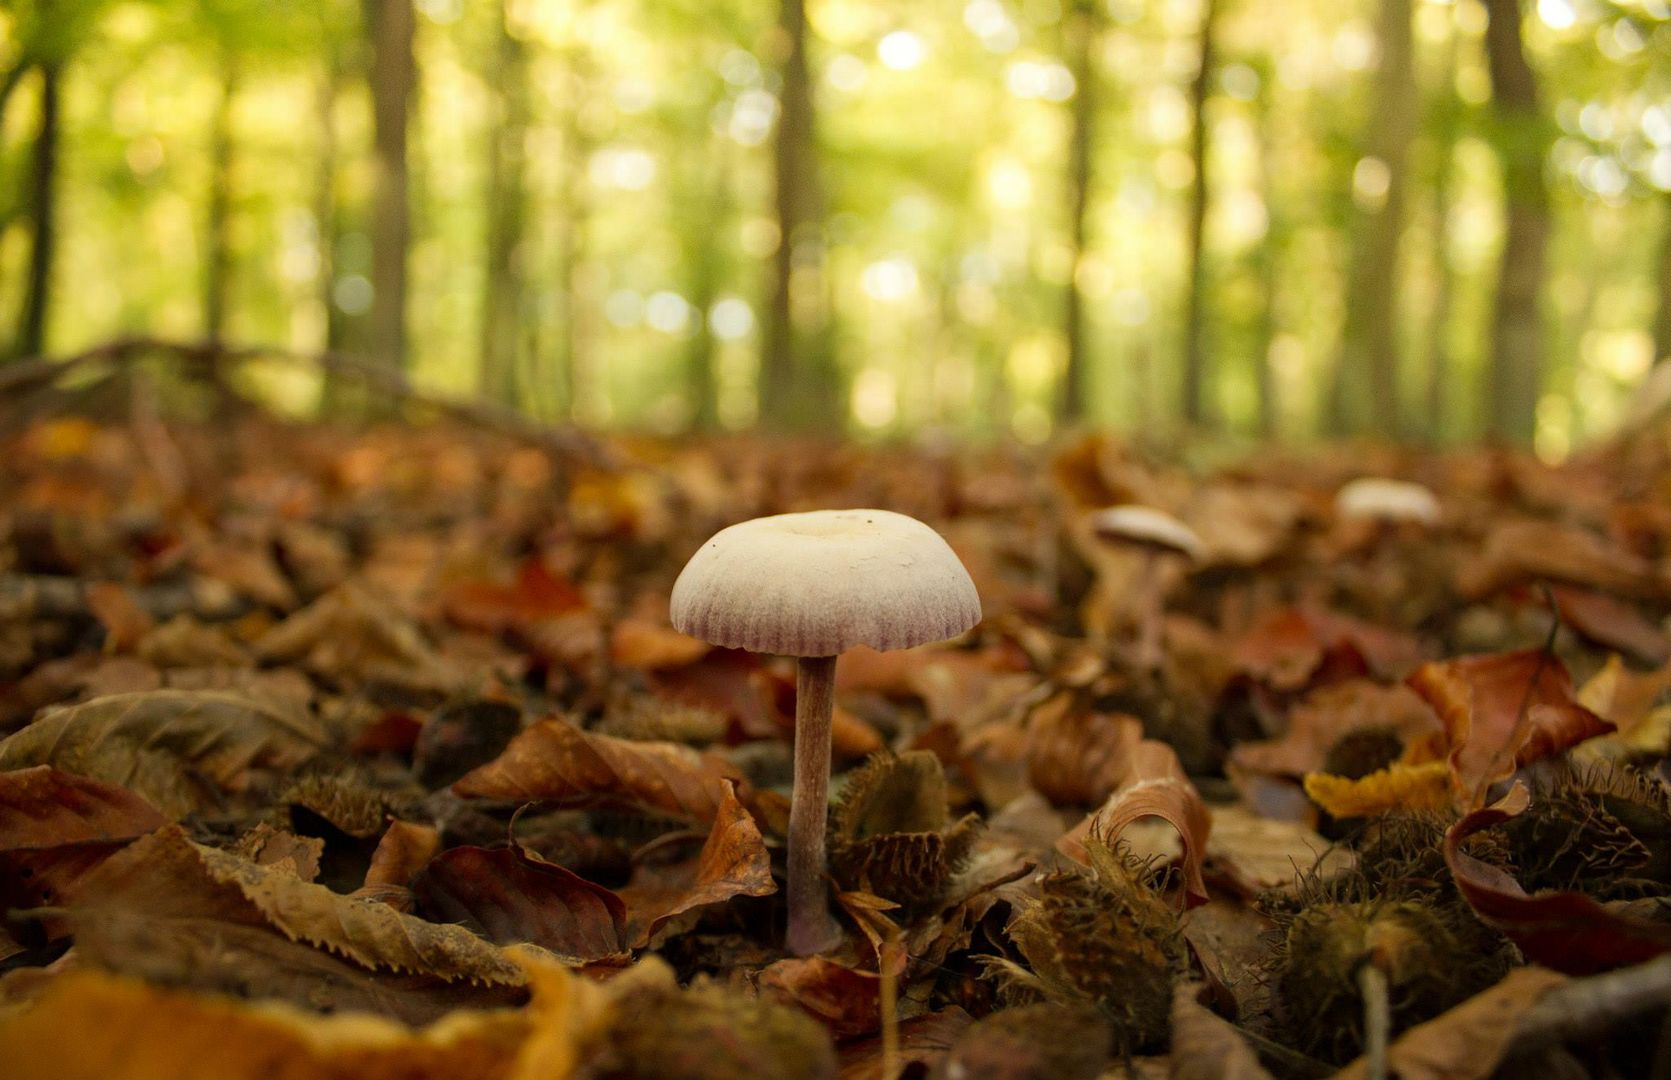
x,y
1397,787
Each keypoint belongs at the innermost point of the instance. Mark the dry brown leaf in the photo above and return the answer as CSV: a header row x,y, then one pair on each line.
x,y
166,877
181,750
1155,785
281,850
733,862
512,896
1258,853
351,634
558,763
125,622
1612,623
1076,758
648,646
89,1025
847,1001
1205,1046
1528,550
1469,1041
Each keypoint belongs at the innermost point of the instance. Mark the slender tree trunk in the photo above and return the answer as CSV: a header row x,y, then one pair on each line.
x,y
502,281
43,185
1197,396
1521,138
217,247
569,359
1662,318
1365,383
702,262
325,198
1270,274
782,402
1445,126
1084,35
392,25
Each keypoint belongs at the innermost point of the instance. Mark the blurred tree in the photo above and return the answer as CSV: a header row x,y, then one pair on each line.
x,y
1199,408
43,185
794,387
1444,124
1083,31
217,256
502,284
390,27
1662,314
1269,264
1363,391
1522,141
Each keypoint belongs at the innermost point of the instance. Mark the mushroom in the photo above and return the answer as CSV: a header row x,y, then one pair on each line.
x,y
811,586
1159,536
1372,498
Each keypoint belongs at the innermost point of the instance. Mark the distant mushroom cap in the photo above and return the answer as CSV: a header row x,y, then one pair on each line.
x,y
818,583
1148,526
1380,499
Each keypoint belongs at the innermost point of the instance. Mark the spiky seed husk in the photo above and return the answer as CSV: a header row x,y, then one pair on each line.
x,y
708,1032
1604,830
1358,753
888,833
1104,939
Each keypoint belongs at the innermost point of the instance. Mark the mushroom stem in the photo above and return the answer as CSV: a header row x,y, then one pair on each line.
x,y
1151,622
811,930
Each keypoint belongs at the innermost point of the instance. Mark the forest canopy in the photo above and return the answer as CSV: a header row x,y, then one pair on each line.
x,y
1406,218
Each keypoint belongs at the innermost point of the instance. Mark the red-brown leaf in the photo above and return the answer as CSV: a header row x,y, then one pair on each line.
x,y
44,807
733,862
1501,711
536,595
513,896
1567,931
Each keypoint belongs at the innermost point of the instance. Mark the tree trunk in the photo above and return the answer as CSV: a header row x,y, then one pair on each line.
x,y
502,283
43,178
1521,140
1270,273
1197,397
391,25
1084,35
217,247
325,199
1365,383
785,400
1662,318
567,352
1445,126
702,262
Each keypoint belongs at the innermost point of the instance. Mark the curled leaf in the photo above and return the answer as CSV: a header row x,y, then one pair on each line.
x,y
1567,931
1155,785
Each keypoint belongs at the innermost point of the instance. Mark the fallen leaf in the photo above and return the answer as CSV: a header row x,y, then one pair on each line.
x,y
1288,648
44,807
1399,786
733,862
1469,1041
536,595
513,896
555,762
922,1041
1529,550
167,878
1076,757
1612,623
1154,786
403,850
124,621
90,1025
1327,714
847,1001
1258,853
181,750
649,647
1567,931
1502,711
1205,1046
281,850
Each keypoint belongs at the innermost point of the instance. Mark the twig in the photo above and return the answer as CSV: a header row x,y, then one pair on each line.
x,y
1377,1019
1585,1008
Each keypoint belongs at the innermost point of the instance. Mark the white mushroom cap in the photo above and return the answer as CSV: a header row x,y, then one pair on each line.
x,y
818,583
1146,525
1387,500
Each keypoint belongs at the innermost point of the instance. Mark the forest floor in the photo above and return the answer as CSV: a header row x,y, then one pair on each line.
x,y
373,754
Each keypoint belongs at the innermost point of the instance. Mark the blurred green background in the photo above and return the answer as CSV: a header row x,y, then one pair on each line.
x,y
1423,219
